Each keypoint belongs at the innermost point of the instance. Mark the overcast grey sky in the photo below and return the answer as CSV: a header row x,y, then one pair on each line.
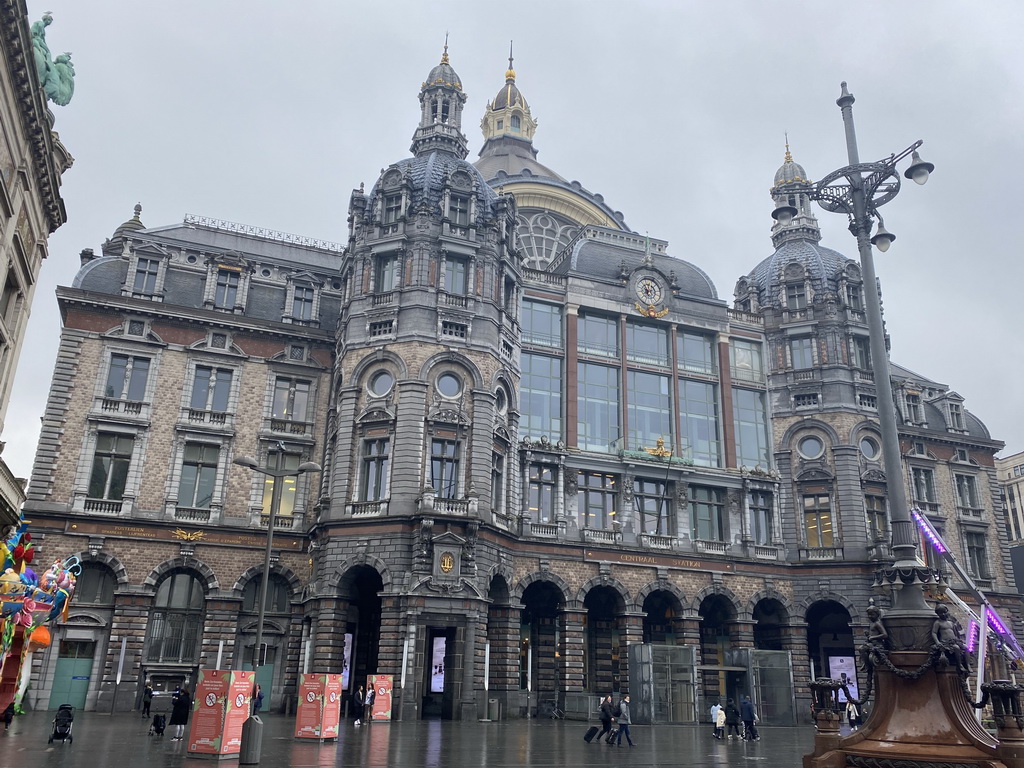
x,y
269,113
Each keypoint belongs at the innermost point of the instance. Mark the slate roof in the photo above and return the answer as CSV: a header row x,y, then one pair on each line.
x,y
427,173
823,266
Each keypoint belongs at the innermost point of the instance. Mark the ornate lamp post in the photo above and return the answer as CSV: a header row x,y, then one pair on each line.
x,y
923,711
252,730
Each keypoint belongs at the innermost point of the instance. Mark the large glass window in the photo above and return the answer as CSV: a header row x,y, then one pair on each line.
x,y
388,269
707,513
598,387
695,352
647,344
146,271
376,458
444,467
598,336
289,485
762,518
456,275
278,595
878,519
541,397
818,520
861,353
967,494
977,555
650,410
542,492
302,303
211,389
542,324
750,413
198,475
597,500
802,351
95,585
653,508
291,399
698,403
226,296
176,623
110,466
747,361
127,378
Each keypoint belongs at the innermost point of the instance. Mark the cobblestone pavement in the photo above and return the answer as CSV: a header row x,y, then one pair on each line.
x,y
122,741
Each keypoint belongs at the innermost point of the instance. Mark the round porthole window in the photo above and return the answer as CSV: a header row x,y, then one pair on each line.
x,y
449,385
811,447
191,259
869,448
265,273
381,383
501,400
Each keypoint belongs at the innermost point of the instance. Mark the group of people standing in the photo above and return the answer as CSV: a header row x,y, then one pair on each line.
x,y
730,716
362,704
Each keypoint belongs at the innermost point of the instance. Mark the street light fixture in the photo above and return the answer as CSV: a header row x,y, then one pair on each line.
x,y
859,190
252,736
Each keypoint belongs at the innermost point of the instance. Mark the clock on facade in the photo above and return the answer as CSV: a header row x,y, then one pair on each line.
x,y
648,290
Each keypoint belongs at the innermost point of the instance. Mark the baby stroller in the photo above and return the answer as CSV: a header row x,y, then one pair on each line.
x,y
62,724
158,725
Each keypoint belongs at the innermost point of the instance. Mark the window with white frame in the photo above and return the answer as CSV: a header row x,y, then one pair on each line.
x,y
915,412
456,275
653,506
127,377
802,352
376,461
444,467
707,513
458,210
541,501
597,499
956,417
288,461
854,297
861,353
388,268
818,530
147,270
198,475
226,293
291,399
303,299
392,208
762,518
796,296
877,516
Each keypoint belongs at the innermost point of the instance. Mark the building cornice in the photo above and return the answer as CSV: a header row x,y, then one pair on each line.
x,y
31,101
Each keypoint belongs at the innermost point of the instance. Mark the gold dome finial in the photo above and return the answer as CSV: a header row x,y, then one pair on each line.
x,y
444,56
789,157
510,74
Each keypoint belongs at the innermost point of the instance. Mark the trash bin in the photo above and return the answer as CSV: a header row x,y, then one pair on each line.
x,y
251,743
493,711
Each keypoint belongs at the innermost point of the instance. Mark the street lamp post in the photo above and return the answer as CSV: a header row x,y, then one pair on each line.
x,y
859,190
252,730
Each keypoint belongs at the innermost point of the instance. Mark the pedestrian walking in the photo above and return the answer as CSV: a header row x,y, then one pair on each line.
x,y
359,704
732,719
853,715
607,714
715,709
8,716
749,715
720,724
147,699
257,700
181,707
624,721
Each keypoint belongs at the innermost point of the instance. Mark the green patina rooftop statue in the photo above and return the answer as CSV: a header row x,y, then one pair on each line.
x,y
57,77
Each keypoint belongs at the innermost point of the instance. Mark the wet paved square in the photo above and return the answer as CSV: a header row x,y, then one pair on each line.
x,y
122,741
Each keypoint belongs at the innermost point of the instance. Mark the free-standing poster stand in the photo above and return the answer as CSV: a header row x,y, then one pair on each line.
x,y
319,711
220,706
381,685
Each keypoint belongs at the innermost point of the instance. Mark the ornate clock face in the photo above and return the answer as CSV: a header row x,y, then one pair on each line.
x,y
648,290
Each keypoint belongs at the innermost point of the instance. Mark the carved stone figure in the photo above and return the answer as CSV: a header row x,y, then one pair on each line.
x,y
947,636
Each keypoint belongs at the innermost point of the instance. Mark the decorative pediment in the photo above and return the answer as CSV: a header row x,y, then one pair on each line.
x,y
873,476
814,473
305,276
375,414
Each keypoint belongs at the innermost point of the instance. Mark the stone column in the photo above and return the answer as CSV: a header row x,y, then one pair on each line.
x,y
130,620
741,633
631,631
329,635
572,651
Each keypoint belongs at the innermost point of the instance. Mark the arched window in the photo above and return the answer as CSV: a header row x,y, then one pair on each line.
x,y
95,585
177,620
278,594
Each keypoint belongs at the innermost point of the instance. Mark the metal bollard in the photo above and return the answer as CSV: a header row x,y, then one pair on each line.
x,y
493,712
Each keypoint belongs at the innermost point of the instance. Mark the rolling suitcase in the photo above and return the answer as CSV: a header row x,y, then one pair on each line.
x,y
612,734
591,733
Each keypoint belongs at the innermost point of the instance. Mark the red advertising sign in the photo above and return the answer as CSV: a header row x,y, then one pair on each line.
x,y
332,706
381,685
309,718
220,706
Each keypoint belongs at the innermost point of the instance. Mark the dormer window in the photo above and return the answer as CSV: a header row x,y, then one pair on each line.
x,y
302,303
392,208
796,297
854,298
956,416
501,125
915,414
146,272
458,210
515,123
226,296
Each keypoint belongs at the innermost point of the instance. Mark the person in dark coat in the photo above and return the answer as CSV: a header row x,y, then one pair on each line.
x,y
607,714
625,720
181,706
749,717
359,704
732,719
147,699
8,716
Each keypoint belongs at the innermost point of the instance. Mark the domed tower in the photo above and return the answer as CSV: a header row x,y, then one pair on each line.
x,y
427,343
551,209
824,403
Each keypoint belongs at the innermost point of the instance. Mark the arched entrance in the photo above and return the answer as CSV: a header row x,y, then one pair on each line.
x,y
671,662
771,683
721,677
361,587
605,650
539,639
830,640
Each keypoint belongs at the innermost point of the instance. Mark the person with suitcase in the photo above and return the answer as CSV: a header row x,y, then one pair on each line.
x,y
607,715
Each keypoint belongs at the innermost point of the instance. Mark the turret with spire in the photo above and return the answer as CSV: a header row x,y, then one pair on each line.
x,y
792,188
441,102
